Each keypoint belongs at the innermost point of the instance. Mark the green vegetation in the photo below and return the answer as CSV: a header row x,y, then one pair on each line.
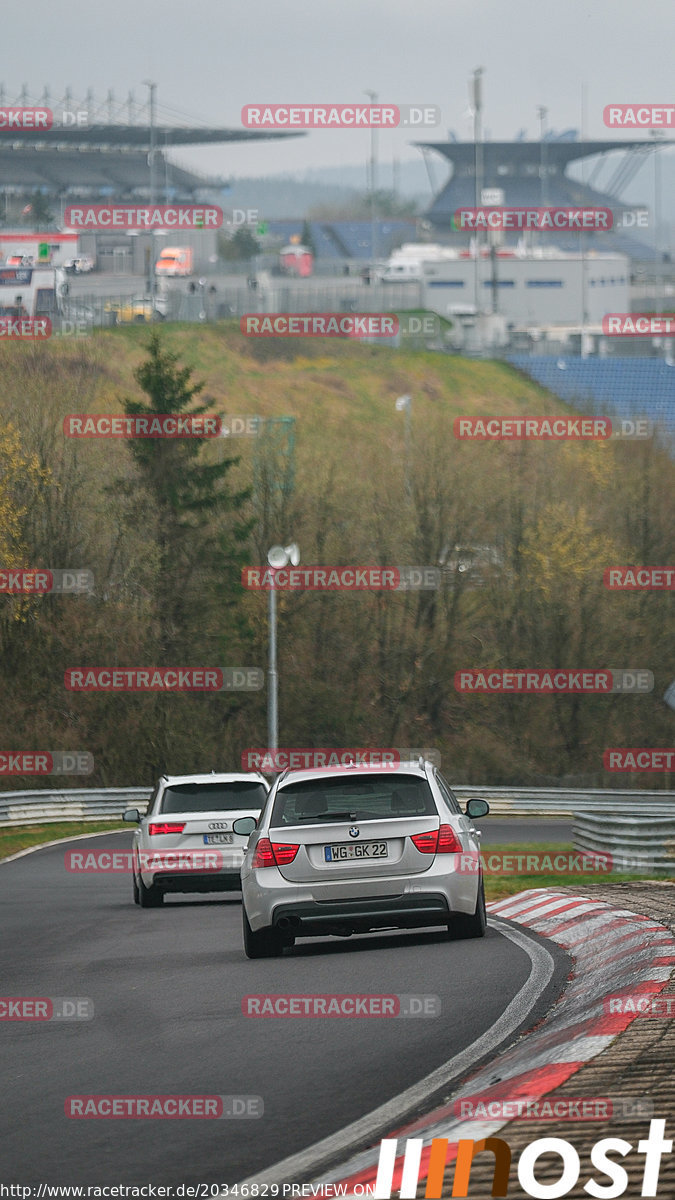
x,y
499,886
21,837
240,247
539,521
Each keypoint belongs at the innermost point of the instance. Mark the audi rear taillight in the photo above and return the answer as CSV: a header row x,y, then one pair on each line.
x,y
166,827
437,841
277,854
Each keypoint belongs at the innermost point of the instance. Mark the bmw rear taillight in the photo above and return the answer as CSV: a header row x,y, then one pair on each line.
x,y
264,856
448,842
437,841
426,842
273,855
284,852
167,827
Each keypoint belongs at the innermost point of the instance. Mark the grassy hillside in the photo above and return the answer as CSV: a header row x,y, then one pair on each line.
x,y
357,669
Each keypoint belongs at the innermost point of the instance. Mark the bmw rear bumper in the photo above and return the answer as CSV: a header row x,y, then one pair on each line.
x,y
311,918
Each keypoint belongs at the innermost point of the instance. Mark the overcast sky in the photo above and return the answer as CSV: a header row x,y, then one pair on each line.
x,y
210,57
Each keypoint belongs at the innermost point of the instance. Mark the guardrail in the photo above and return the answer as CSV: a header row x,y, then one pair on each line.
x,y
82,804
566,802
99,804
648,842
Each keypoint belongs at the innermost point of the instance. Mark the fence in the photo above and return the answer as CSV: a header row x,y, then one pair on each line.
x,y
217,298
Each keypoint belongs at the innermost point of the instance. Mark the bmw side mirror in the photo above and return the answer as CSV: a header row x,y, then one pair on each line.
x,y
132,814
477,808
244,825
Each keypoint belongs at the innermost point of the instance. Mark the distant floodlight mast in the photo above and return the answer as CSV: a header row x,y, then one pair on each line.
x,y
277,557
476,95
151,162
372,181
404,404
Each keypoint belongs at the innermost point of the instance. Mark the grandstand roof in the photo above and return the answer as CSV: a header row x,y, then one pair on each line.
x,y
521,154
128,135
514,167
108,156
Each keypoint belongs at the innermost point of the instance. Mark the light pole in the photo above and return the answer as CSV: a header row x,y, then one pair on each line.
x,y
153,88
542,113
477,105
404,404
277,557
658,274
373,184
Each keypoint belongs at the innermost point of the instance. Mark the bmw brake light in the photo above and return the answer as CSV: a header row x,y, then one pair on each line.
x,y
264,856
166,827
437,841
448,842
425,842
284,852
277,854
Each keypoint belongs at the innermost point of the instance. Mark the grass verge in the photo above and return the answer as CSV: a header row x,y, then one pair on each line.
x,y
498,886
20,837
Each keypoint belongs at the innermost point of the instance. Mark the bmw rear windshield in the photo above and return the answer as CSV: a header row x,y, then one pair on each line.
x,y
213,797
352,798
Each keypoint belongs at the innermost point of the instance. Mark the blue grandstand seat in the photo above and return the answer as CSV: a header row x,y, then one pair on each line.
x,y
624,388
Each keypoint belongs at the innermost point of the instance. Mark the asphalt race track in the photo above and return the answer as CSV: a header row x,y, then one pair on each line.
x,y
167,986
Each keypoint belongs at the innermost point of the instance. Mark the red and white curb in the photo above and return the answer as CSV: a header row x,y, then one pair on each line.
x,y
614,951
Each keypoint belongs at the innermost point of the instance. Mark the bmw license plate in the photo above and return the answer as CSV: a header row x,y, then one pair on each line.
x,y
347,850
218,839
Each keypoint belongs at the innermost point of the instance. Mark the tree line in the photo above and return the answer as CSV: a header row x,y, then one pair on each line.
x,y
520,534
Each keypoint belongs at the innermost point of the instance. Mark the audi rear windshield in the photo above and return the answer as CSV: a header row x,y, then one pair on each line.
x,y
354,798
212,797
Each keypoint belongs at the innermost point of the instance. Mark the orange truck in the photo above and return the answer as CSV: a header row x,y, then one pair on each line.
x,y
174,260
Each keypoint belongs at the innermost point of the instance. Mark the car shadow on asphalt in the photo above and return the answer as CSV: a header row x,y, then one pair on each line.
x,y
362,943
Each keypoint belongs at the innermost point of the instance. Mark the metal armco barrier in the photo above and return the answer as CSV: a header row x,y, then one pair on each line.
x,y
99,804
567,802
81,804
649,837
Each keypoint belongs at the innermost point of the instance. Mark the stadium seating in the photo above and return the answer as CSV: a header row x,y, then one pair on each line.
x,y
349,239
617,387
